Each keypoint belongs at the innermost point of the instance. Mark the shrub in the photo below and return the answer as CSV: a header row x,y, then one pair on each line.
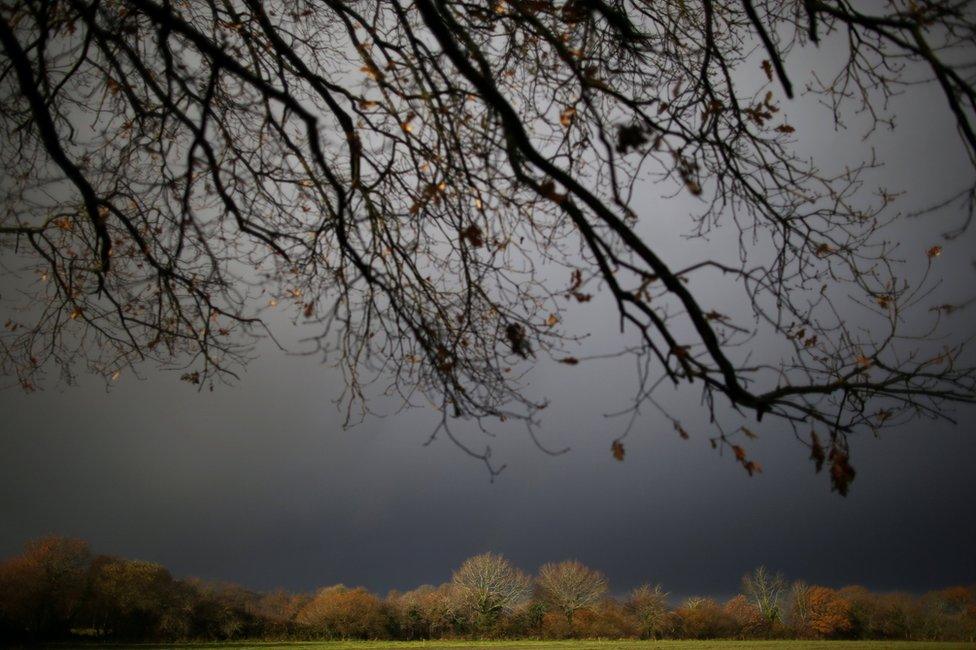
x,y
340,612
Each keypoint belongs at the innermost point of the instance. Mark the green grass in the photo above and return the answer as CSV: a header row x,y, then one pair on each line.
x,y
569,645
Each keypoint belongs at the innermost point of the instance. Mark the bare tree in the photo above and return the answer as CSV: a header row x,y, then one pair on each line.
x,y
396,171
650,608
570,585
488,585
766,591
798,607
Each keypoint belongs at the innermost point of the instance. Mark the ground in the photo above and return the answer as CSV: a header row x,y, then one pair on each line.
x,y
577,645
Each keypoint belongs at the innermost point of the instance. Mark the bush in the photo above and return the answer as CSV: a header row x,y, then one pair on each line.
x,y
703,618
607,620
340,612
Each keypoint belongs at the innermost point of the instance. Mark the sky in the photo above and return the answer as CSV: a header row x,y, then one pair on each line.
x,y
258,483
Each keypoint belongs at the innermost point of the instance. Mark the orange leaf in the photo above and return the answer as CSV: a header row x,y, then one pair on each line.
x,y
841,472
617,449
566,117
817,454
681,431
406,124
474,236
548,190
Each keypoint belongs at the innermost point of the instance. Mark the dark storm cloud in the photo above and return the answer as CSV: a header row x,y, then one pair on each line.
x,y
258,483
267,491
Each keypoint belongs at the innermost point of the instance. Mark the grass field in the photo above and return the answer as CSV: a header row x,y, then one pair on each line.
x,y
575,645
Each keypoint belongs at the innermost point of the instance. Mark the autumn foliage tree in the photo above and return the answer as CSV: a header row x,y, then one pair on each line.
x,y
951,610
56,590
396,172
747,619
42,590
128,598
829,614
429,612
344,613
703,618
607,619
280,609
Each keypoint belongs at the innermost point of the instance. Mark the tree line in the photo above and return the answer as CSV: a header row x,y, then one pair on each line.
x,y
58,589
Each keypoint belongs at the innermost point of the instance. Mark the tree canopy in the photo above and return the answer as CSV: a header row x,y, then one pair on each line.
x,y
409,173
57,591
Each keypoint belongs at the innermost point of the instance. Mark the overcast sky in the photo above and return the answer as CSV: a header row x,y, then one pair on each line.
x,y
257,483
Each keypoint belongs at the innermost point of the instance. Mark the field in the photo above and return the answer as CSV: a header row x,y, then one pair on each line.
x,y
577,645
